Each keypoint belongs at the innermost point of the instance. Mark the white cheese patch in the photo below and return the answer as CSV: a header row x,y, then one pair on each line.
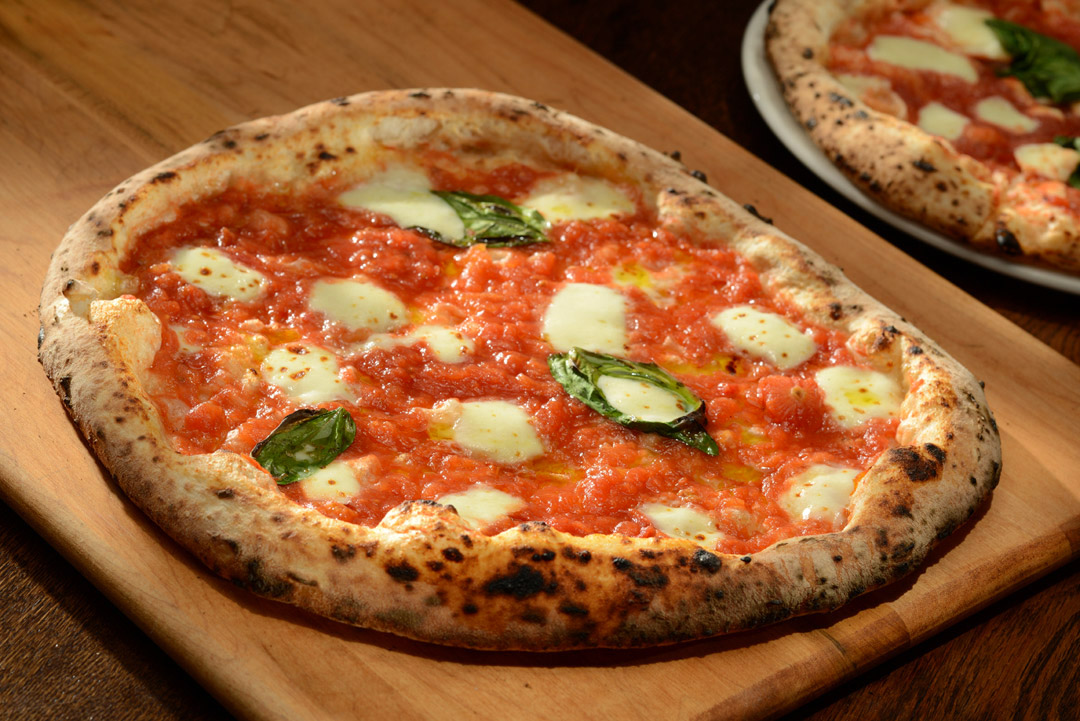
x,y
1047,159
448,344
572,197
358,305
915,54
496,430
335,482
1000,112
683,523
307,373
939,120
587,316
967,28
641,400
820,493
855,395
185,345
876,92
482,506
217,274
765,335
404,194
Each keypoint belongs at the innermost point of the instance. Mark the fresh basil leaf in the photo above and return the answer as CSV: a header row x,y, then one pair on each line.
x,y
492,220
1048,68
579,372
304,442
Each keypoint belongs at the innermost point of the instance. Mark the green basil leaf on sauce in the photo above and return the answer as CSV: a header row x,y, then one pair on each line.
x,y
1048,68
304,442
492,220
612,387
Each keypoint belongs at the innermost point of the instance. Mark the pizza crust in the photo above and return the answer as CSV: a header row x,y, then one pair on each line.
x,y
422,572
897,163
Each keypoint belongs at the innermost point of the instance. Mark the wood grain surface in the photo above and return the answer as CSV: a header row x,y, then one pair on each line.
x,y
91,92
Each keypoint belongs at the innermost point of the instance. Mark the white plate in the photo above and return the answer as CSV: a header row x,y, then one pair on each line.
x,y
766,94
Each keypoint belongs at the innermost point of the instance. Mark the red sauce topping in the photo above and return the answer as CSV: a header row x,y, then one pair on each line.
x,y
595,474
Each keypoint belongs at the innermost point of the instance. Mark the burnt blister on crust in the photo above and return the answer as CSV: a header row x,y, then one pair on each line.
x,y
919,466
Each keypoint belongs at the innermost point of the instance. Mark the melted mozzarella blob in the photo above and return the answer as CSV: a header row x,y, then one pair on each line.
x,y
404,194
641,400
855,395
765,335
358,305
336,481
967,28
448,344
217,274
499,431
1047,159
306,373
820,493
686,523
588,316
482,506
572,197
915,54
939,120
1000,112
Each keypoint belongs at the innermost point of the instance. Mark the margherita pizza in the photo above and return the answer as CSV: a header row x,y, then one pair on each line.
x,y
964,116
458,366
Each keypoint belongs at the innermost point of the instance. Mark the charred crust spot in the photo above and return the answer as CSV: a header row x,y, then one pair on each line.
x,y
327,155
807,53
754,212
469,609
265,585
302,581
225,493
642,576
403,572
1007,242
837,558
647,553
901,510
974,481
746,559
422,95
836,311
840,100
340,101
811,123
875,186
675,155
435,566
923,165
935,451
466,540
164,177
540,106
343,553
942,186
278,518
571,610
452,554
915,350
582,557
65,389
673,191
709,562
523,583
861,114
119,419
229,143
545,555
262,136
700,176
95,268
915,465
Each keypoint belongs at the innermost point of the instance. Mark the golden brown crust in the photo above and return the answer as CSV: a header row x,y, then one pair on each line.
x,y
903,167
422,572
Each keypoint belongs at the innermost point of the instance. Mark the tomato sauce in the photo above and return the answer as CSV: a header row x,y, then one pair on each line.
x,y
595,473
984,141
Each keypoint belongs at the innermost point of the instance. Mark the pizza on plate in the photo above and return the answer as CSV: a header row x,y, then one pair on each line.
x,y
461,367
964,116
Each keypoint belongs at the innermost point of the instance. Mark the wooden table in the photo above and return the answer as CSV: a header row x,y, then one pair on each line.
x,y
142,83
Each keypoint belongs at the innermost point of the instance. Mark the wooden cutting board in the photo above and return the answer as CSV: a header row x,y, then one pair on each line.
x,y
92,93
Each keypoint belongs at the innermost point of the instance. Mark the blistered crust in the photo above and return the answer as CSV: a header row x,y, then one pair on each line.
x,y
422,572
897,163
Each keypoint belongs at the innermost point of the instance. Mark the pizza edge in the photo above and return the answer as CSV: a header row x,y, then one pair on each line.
x,y
897,163
422,572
